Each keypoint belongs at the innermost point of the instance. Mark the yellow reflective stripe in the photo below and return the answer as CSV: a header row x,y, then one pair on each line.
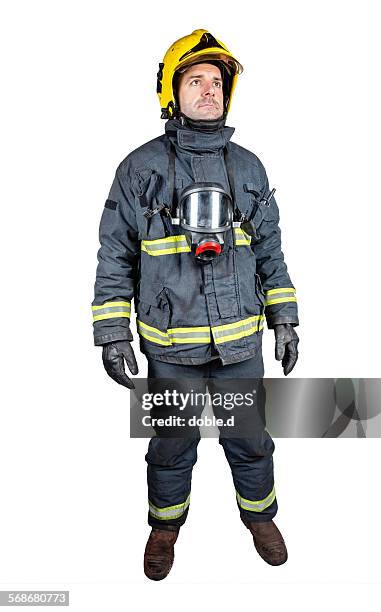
x,y
280,290
177,238
280,295
111,310
239,230
241,237
110,304
201,335
183,249
192,340
252,325
151,333
150,246
154,329
256,505
280,300
241,334
169,512
237,323
176,335
147,336
111,315
190,335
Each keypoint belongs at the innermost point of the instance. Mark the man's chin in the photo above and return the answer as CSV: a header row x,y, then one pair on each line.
x,y
207,114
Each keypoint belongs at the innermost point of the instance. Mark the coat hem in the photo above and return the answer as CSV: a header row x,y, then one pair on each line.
x,y
241,356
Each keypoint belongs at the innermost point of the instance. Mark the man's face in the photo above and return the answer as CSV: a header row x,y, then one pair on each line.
x,y
200,92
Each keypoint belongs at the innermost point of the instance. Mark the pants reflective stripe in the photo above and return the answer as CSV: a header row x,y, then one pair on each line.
x,y
202,335
166,246
258,505
109,310
170,512
241,237
282,294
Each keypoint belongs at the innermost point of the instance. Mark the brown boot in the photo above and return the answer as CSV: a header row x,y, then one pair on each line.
x,y
159,553
268,541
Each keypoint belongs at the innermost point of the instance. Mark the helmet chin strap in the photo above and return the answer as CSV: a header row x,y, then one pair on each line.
x,y
202,125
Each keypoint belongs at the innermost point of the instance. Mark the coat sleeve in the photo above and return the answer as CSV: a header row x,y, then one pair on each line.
x,y
118,260
280,297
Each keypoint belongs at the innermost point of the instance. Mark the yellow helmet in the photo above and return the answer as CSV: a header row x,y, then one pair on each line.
x,y
195,48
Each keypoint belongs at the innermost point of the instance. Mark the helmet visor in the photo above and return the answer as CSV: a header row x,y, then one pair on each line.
x,y
232,65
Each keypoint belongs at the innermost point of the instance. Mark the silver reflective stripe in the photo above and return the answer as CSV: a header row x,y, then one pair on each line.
x,y
102,311
201,335
277,296
232,327
256,505
198,335
109,310
240,329
166,246
170,512
176,335
153,334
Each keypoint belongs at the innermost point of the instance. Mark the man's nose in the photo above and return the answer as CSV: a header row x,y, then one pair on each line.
x,y
208,89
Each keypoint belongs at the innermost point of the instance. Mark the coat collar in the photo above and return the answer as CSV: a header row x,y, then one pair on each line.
x,y
186,139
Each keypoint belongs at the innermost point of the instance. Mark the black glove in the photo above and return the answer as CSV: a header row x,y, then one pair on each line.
x,y
113,356
286,346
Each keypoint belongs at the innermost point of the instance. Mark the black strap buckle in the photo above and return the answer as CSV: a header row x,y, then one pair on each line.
x,y
266,201
150,212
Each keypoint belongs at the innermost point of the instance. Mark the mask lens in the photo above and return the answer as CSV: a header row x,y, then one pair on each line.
x,y
205,207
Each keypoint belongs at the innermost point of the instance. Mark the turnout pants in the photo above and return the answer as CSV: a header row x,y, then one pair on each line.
x,y
171,459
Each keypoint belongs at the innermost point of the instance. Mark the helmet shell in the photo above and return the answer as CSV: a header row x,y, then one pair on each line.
x,y
198,47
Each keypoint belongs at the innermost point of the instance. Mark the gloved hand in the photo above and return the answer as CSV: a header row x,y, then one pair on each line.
x,y
113,356
286,346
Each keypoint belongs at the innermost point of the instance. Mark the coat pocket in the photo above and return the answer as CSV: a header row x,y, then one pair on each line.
x,y
225,285
153,307
227,302
149,193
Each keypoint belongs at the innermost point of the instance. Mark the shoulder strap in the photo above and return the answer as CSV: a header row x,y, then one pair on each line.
x,y
230,173
171,176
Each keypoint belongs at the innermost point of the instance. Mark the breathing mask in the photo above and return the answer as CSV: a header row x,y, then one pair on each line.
x,y
205,212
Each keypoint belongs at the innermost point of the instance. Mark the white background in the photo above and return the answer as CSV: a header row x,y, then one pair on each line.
x,y
78,94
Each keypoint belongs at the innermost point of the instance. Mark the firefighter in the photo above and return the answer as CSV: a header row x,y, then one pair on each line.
x,y
190,230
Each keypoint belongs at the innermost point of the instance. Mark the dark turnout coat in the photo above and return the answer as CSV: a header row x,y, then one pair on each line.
x,y
189,312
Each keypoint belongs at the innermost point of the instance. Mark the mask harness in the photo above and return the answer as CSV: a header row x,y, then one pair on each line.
x,y
205,211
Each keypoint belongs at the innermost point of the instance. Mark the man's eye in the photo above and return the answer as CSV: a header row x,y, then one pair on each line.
x,y
217,84
195,81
